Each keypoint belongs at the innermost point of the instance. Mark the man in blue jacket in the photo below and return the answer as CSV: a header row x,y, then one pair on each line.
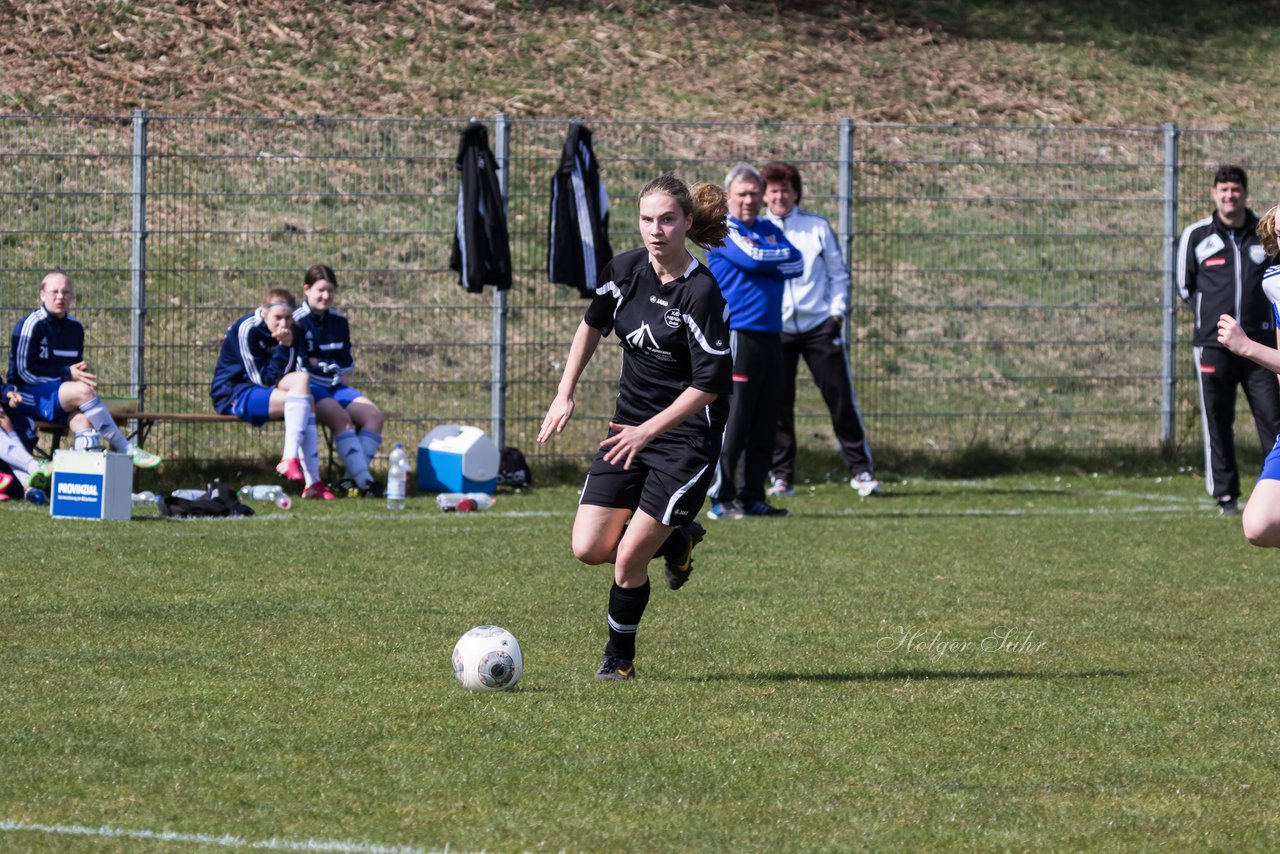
x,y
751,267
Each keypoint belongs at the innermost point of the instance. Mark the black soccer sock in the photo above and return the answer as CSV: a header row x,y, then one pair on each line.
x,y
626,607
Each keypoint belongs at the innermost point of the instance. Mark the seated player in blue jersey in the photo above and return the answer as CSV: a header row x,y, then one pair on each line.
x,y
326,357
256,381
50,376
650,477
1261,517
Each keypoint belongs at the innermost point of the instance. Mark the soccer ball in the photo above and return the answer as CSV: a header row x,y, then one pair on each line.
x,y
488,658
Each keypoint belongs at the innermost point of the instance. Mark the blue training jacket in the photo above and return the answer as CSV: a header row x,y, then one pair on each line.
x,y
751,267
249,357
44,347
326,345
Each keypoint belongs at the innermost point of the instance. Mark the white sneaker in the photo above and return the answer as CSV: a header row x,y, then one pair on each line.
x,y
780,487
727,510
865,484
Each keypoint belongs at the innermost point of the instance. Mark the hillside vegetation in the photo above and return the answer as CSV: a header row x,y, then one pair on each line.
x,y
1093,63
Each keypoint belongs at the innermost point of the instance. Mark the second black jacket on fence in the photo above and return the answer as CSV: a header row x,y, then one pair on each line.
x,y
579,229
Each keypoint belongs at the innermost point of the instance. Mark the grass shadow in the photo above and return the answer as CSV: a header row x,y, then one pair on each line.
x,y
913,675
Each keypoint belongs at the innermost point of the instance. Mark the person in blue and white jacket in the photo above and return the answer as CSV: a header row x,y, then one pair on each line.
x,y
1261,517
325,356
49,379
814,306
256,380
751,267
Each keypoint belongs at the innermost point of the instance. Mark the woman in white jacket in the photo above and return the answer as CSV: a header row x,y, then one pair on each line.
x,y
813,322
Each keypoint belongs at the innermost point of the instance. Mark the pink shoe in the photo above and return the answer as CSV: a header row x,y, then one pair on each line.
x,y
290,469
317,492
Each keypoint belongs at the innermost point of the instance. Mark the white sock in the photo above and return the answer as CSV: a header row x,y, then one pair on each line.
x,y
102,421
370,442
352,453
310,446
13,452
297,407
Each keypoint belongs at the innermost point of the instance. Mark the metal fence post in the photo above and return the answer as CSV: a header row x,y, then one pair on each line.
x,y
138,261
498,378
1168,342
845,221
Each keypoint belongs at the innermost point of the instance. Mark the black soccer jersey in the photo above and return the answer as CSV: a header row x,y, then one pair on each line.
x,y
673,336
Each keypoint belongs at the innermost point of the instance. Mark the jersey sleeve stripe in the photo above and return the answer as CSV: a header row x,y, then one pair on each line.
x,y
246,353
24,349
701,338
757,253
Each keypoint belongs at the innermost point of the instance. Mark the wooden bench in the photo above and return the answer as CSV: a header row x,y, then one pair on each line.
x,y
125,409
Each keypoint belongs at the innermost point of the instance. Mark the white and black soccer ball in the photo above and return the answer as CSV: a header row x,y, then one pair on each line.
x,y
488,658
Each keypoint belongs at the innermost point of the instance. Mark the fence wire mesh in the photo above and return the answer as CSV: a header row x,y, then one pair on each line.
x,y
1008,282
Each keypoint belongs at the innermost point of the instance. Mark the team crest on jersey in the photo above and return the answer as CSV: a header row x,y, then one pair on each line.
x,y
638,337
672,318
1210,246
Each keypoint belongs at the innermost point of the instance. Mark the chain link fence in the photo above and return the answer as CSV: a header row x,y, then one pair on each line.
x,y
1011,285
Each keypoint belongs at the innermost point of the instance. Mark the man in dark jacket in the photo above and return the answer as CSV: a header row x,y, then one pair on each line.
x,y
1219,268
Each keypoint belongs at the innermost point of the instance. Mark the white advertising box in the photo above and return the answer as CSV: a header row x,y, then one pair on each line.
x,y
91,485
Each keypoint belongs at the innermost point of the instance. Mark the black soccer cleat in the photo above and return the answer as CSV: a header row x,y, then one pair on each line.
x,y
679,570
615,669
763,508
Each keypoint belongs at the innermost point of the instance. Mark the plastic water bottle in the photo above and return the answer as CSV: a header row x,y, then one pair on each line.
x,y
397,477
189,494
266,492
145,497
464,502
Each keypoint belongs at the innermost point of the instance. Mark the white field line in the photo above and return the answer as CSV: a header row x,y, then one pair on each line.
x,y
225,841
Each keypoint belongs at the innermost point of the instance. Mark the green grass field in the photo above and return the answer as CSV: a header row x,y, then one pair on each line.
x,y
1063,662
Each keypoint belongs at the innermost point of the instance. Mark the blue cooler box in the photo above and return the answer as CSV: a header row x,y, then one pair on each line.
x,y
454,458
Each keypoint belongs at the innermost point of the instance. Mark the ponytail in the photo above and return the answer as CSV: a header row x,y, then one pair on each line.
x,y
706,204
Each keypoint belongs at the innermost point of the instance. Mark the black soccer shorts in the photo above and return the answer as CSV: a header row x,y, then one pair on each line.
x,y
668,479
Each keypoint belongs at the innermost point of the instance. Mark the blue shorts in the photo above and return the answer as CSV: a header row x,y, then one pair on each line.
x,y
253,405
344,394
40,403
1271,466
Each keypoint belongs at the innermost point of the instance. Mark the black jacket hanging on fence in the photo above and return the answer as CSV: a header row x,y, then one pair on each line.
x,y
579,216
481,247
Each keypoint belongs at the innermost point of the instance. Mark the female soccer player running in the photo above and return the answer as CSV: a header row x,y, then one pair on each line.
x,y
326,357
653,468
255,381
1261,517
